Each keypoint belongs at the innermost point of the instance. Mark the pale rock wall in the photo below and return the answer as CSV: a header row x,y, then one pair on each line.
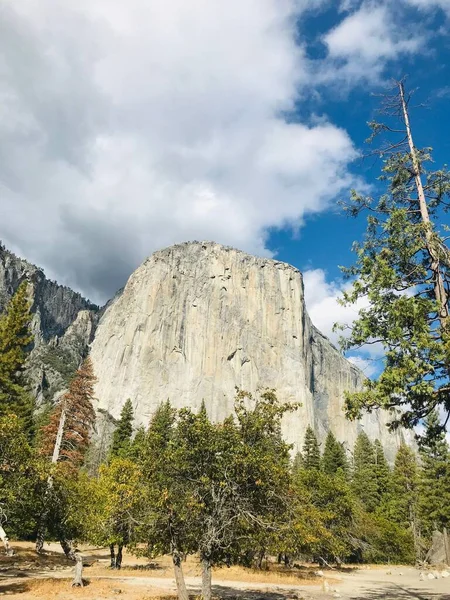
x,y
197,319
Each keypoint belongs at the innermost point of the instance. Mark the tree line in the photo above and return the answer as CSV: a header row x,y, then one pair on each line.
x,y
228,492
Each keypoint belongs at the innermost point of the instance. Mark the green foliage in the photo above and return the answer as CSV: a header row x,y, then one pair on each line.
x,y
123,432
401,271
15,342
334,459
434,481
364,481
334,507
311,451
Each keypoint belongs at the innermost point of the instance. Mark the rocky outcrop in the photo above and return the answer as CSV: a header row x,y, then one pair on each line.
x,y
198,319
63,324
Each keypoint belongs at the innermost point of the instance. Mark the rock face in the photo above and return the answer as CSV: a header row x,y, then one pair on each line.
x,y
63,324
197,319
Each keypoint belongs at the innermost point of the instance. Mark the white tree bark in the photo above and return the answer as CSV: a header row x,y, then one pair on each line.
x,y
4,538
42,526
78,575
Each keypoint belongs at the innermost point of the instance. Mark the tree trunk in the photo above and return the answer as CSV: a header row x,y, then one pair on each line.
x,y
446,546
78,576
119,556
179,577
113,556
42,525
9,551
67,546
440,292
206,579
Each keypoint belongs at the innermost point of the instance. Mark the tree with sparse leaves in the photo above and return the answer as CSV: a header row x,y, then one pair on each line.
x,y
64,441
402,272
15,341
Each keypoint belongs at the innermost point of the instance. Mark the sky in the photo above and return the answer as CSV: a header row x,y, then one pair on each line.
x,y
126,127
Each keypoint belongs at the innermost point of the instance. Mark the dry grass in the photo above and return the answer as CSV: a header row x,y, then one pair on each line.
x,y
60,589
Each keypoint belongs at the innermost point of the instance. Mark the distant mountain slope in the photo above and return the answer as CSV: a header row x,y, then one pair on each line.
x,y
63,324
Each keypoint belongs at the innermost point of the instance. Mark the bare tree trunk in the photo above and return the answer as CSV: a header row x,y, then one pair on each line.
x,y
68,548
439,287
113,556
119,556
206,579
78,576
9,551
446,546
42,525
179,577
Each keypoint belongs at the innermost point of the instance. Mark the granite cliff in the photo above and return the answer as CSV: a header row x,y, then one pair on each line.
x,y
63,324
197,319
193,322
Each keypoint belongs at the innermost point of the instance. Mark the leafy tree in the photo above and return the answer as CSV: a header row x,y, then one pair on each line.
x,y
434,477
334,459
65,440
15,341
403,270
124,431
311,451
364,482
119,499
332,499
214,488
20,475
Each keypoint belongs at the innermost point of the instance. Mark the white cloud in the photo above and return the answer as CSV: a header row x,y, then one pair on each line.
x,y
430,4
129,126
362,44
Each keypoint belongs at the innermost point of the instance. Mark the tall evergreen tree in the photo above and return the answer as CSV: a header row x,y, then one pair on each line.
x,y
382,471
124,430
402,271
311,451
15,341
334,459
297,463
403,505
65,440
364,482
434,477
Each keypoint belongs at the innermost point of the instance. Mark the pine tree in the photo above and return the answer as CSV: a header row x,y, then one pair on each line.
x,y
67,436
297,463
402,271
382,471
311,451
124,431
15,341
364,481
334,459
403,505
434,477
65,440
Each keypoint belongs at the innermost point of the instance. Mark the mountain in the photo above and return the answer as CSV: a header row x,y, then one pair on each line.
x,y
63,324
198,319
193,322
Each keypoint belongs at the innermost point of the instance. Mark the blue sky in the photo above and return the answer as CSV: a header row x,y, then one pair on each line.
x,y
126,127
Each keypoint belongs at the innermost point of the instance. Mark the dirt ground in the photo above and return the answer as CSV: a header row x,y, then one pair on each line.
x,y
28,576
